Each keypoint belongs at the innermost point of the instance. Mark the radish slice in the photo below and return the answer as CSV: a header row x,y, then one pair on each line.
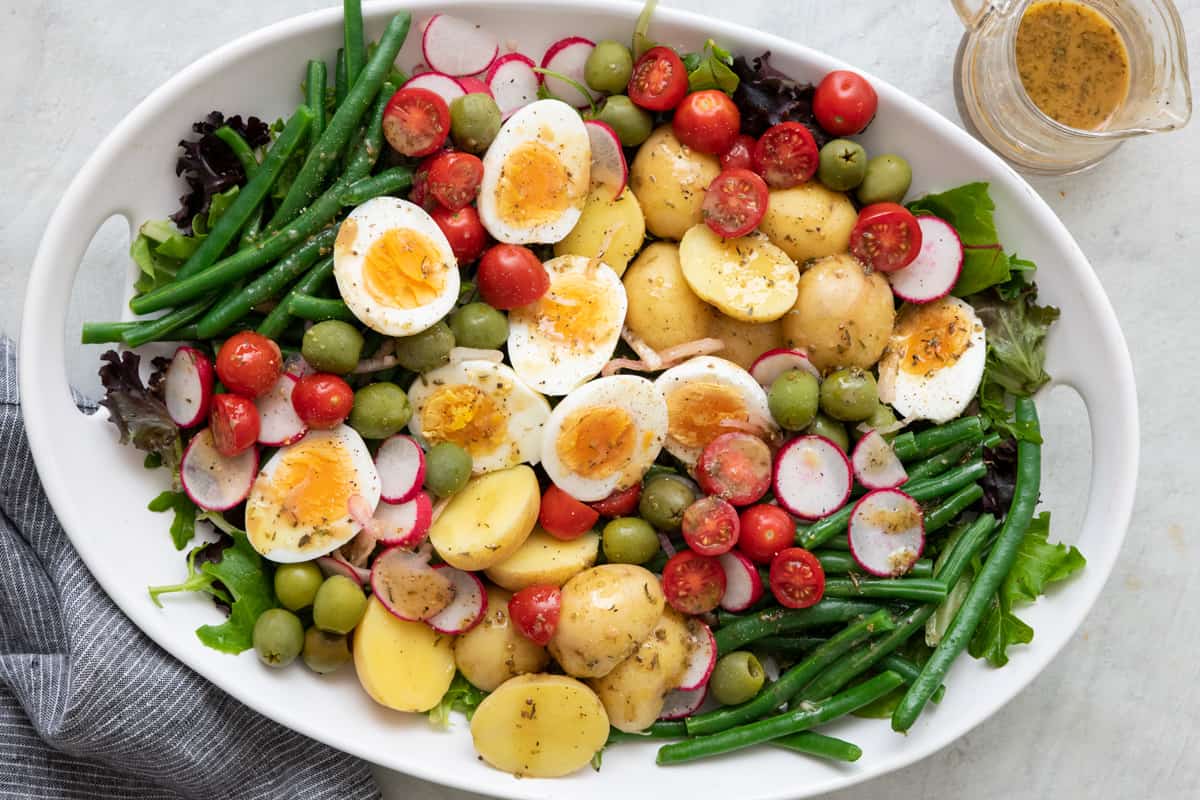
x,y
702,656
812,477
683,703
335,565
935,270
408,587
279,424
189,387
743,586
213,481
405,524
876,465
472,85
457,46
441,84
468,606
567,57
773,363
513,82
400,462
887,532
608,158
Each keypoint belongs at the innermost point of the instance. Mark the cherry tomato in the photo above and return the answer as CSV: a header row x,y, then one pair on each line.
x,y
844,103
886,237
510,276
619,504
249,363
454,179
740,154
564,517
659,80
416,121
693,583
786,155
534,610
419,193
234,422
797,579
707,121
735,202
765,530
463,230
735,466
710,526
322,400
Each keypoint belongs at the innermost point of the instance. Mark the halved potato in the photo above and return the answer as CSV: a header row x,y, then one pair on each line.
x,y
543,559
618,222
607,611
402,665
663,309
809,221
633,693
747,278
669,179
494,651
744,341
489,519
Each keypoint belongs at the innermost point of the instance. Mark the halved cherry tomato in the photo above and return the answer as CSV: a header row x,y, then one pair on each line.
x,y
249,363
765,530
786,155
692,583
735,466
797,578
454,178
710,526
740,154
234,422
419,193
707,121
535,611
619,504
886,237
844,103
322,400
735,202
416,121
463,230
563,516
659,80
510,276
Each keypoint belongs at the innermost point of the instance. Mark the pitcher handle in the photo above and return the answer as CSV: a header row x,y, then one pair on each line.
x,y
972,12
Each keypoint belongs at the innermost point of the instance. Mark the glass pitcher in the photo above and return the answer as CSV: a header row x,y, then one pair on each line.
x,y
1004,116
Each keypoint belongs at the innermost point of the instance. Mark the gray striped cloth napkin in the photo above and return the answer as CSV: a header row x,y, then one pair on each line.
x,y
91,708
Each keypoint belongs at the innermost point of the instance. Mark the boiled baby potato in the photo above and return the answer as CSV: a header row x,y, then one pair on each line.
x,y
543,559
663,309
402,665
607,611
745,341
809,221
540,726
669,179
843,315
618,222
747,278
489,519
633,693
494,651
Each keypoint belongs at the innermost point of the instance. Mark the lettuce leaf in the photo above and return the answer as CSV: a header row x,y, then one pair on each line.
x,y
710,69
1016,335
183,526
138,411
970,210
160,249
462,697
766,96
209,166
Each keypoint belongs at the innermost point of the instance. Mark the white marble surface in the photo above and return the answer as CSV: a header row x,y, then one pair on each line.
x,y
1117,715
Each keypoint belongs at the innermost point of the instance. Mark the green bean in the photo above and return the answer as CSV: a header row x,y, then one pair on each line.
x,y
909,670
318,309
937,464
363,159
251,230
162,328
780,620
278,319
818,744
948,510
788,645
314,91
104,332
909,446
321,157
341,85
355,49
922,590
390,182
995,569
792,681
241,150
666,729
782,725
839,563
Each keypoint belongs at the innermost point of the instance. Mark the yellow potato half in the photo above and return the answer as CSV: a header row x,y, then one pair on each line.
x,y
489,519
402,665
543,559
669,179
494,651
663,309
618,222
744,341
633,693
809,221
747,278
607,611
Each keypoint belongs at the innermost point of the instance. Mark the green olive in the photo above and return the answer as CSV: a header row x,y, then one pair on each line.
x,y
474,122
479,325
380,409
629,540
887,180
632,123
664,499
608,67
323,651
447,469
849,394
332,346
793,399
296,584
831,429
278,637
736,678
426,350
843,165
339,604
881,417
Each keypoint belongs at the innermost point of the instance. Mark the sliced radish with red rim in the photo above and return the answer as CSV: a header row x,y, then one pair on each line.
x,y
887,532
876,465
567,57
403,524
335,565
188,387
773,363
400,462
472,85
743,586
444,86
608,157
683,703
702,655
812,477
513,82
215,482
409,588
457,46
279,424
468,606
935,270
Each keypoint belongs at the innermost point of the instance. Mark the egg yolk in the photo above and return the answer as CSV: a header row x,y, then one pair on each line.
x,y
574,311
309,488
930,337
597,442
466,416
534,186
698,412
402,269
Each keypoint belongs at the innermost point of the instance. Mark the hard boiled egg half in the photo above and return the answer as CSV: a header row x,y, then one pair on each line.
x,y
299,505
536,175
394,267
